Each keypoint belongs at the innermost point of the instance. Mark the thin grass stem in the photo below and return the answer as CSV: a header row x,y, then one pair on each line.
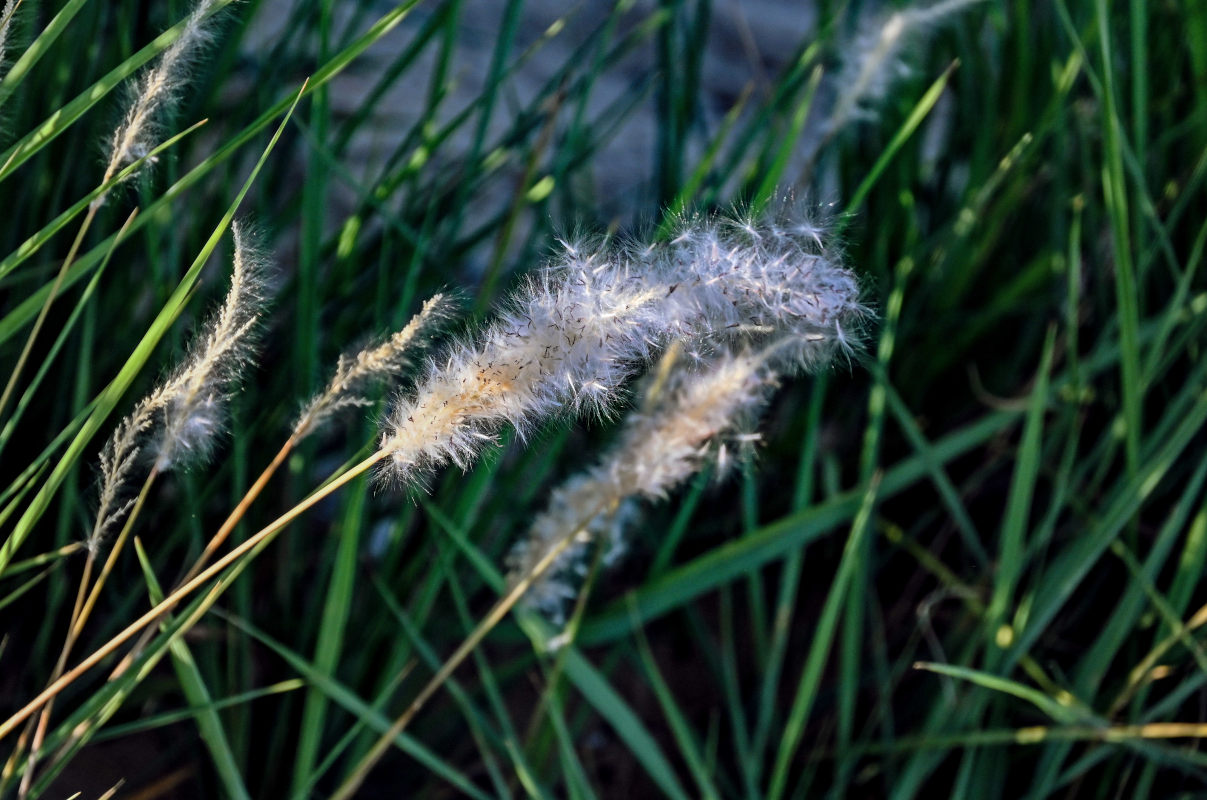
x,y
172,600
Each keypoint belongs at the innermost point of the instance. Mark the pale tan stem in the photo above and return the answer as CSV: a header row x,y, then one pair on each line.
x,y
216,542
54,290
79,617
493,618
172,600
81,593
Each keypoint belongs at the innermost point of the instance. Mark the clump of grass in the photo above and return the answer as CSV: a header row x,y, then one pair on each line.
x,y
1039,556
174,427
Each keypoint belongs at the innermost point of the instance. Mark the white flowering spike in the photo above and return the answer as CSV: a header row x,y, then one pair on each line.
x,y
374,363
195,397
157,89
577,332
177,424
874,60
695,417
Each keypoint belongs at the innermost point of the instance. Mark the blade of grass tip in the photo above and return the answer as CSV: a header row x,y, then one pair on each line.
x,y
1190,565
1013,546
64,117
142,352
1176,309
1125,616
45,558
48,359
1057,708
336,608
1114,191
38,47
681,729
823,637
166,718
938,476
919,112
197,693
354,705
1158,601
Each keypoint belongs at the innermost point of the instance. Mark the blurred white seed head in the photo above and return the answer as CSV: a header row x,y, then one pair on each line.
x,y
6,20
178,423
700,412
156,91
373,364
875,58
573,336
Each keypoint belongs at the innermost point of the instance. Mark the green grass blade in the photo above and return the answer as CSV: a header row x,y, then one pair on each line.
x,y
197,693
823,638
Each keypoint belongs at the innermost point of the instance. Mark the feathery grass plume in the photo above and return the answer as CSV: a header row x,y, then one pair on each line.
x,y
691,422
177,424
374,363
571,338
873,60
157,90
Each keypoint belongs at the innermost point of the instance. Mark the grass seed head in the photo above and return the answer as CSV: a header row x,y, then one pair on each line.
x,y
373,364
177,424
155,92
570,340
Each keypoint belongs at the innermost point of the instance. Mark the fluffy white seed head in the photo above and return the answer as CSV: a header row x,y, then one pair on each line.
x,y
698,413
195,397
178,423
373,364
574,335
155,92
874,60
